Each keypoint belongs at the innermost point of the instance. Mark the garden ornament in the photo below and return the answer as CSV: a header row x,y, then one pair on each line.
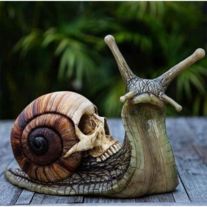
x,y
63,146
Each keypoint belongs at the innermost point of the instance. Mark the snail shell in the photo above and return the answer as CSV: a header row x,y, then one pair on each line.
x,y
44,131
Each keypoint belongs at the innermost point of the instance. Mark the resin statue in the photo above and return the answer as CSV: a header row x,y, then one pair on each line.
x,y
63,147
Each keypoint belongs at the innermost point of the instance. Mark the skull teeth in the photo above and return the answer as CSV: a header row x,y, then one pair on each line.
x,y
103,157
112,150
116,148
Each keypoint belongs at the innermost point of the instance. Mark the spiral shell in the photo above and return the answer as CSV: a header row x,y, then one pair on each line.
x,y
44,131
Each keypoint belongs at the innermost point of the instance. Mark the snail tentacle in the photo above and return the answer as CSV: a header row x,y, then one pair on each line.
x,y
124,69
127,96
169,100
147,98
168,76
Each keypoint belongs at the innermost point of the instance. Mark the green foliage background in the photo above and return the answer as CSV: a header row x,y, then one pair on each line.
x,y
52,46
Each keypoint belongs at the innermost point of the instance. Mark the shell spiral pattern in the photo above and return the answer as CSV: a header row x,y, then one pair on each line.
x,y
44,131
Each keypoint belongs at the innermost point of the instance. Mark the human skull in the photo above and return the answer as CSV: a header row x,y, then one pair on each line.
x,y
93,133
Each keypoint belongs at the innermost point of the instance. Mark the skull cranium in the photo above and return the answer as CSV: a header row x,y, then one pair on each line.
x,y
93,132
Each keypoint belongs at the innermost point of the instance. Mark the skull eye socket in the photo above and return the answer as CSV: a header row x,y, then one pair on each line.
x,y
88,124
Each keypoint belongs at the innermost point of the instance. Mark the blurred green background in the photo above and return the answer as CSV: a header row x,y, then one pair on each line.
x,y
53,46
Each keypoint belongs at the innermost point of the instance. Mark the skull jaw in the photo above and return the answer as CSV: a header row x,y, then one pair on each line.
x,y
105,144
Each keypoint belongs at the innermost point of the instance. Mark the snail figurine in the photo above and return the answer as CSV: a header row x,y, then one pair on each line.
x,y
63,147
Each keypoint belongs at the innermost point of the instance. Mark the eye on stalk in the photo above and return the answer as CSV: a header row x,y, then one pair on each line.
x,y
169,100
127,96
166,78
142,92
124,69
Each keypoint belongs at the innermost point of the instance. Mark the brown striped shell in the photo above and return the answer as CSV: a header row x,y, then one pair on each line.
x,y
44,131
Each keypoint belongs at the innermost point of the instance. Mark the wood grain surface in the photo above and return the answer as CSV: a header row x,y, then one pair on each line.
x,y
188,137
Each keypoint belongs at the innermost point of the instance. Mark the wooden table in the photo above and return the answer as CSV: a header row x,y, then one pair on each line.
x,y
189,140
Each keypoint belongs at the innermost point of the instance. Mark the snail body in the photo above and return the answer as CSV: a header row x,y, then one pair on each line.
x,y
64,147
152,165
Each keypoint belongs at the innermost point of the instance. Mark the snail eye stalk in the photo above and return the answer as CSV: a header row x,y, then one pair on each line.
x,y
168,76
144,90
124,69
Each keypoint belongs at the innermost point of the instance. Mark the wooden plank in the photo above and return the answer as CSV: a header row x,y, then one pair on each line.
x,y
4,164
37,199
157,198
8,193
25,198
5,129
70,199
166,197
65,200
180,195
5,152
148,199
12,164
189,163
196,186
75,199
201,150
199,128
50,199
141,200
188,137
107,200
